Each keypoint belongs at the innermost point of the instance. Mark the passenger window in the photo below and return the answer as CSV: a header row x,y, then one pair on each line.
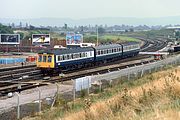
x,y
119,49
68,56
86,55
99,52
65,57
44,58
49,58
107,51
90,53
40,58
112,50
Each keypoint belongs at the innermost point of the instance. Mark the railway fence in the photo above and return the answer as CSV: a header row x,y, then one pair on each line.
x,y
129,73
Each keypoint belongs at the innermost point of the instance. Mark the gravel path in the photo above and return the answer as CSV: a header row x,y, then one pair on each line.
x,y
30,96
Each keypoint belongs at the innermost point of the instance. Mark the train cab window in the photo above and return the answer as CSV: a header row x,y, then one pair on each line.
x,y
49,58
44,58
40,58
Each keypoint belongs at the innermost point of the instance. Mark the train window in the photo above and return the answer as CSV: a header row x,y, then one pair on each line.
x,y
49,58
90,53
115,50
44,58
40,58
112,50
60,58
101,52
119,49
68,56
86,55
76,55
65,57
83,54
125,48
109,51
105,51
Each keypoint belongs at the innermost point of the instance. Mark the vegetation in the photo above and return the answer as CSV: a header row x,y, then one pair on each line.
x,y
5,29
155,96
153,33
105,38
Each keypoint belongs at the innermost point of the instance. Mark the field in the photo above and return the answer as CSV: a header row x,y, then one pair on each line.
x,y
154,96
108,38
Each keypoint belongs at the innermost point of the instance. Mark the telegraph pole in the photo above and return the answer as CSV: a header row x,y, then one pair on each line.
x,y
97,35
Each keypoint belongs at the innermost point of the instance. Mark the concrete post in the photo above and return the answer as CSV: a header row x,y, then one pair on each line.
x,y
57,93
18,106
39,99
88,87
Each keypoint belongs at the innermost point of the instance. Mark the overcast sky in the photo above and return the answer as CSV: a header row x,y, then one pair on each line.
x,y
77,9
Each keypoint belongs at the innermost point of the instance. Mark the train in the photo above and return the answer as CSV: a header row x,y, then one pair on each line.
x,y
72,58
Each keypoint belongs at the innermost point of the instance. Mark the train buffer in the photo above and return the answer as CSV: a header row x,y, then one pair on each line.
x,y
157,55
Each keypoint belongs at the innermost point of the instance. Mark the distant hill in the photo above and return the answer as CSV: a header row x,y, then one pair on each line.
x,y
93,21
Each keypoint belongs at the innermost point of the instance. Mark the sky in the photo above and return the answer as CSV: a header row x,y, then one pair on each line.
x,y
78,9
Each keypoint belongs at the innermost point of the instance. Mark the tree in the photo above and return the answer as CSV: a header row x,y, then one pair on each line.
x,y
5,29
101,30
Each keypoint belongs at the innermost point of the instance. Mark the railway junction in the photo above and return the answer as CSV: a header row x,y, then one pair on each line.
x,y
35,87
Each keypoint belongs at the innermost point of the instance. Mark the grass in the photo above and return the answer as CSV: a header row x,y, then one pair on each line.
x,y
155,96
108,38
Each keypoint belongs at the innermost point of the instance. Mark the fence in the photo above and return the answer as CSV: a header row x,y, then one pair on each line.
x,y
11,60
130,73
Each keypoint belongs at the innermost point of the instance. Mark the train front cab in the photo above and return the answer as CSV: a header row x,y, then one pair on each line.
x,y
45,62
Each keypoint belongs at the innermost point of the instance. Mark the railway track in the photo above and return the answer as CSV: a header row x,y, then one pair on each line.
x,y
11,85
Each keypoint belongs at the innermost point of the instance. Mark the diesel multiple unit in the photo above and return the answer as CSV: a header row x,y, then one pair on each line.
x,y
71,58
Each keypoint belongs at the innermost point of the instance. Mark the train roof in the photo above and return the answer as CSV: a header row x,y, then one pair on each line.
x,y
108,46
66,51
130,43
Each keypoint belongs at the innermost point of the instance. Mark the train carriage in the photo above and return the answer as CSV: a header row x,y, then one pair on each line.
x,y
65,58
130,49
108,52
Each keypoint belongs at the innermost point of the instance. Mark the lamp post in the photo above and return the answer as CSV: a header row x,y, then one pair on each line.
x,y
97,34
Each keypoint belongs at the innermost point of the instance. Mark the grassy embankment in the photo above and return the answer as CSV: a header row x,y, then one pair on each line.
x,y
155,96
